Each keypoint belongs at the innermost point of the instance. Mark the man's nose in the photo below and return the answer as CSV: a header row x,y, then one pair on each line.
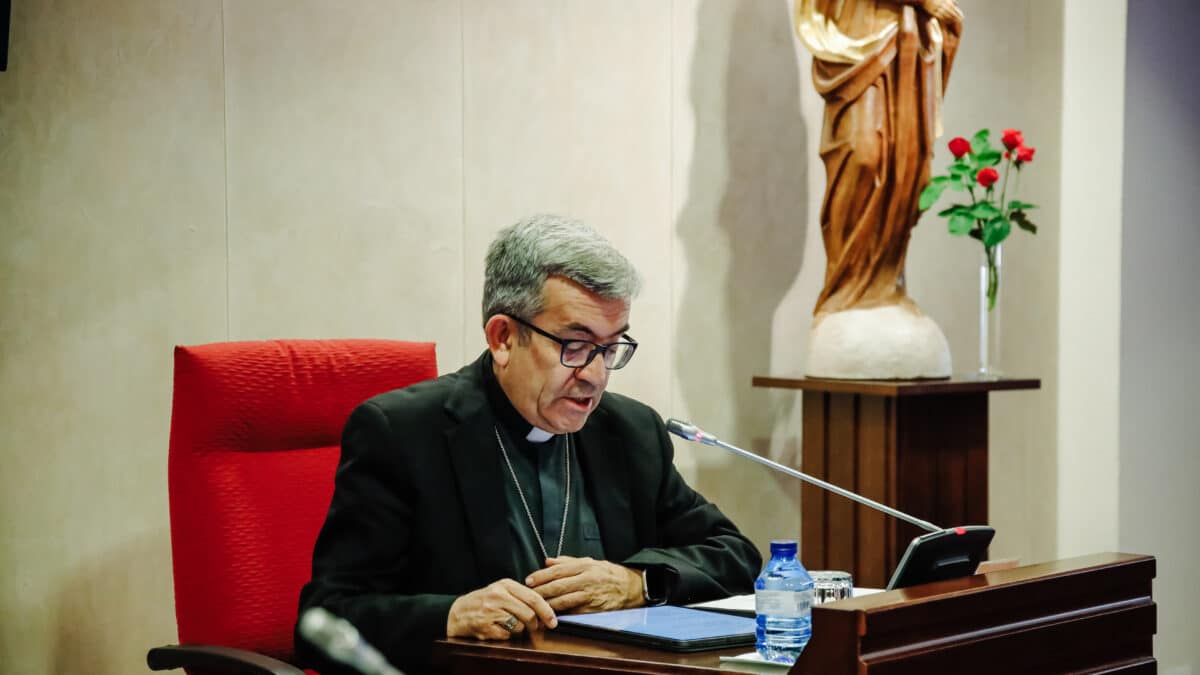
x,y
594,372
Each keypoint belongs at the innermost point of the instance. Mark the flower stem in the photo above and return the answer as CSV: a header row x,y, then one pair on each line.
x,y
1004,190
993,276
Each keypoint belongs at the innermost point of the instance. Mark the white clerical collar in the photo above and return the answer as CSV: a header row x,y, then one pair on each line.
x,y
537,435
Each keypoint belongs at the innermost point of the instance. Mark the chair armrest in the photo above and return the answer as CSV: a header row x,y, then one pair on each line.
x,y
220,659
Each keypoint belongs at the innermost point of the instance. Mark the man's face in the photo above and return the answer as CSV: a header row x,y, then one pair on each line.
x,y
548,394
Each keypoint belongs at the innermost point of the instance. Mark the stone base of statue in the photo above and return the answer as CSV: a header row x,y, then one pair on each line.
x,y
882,343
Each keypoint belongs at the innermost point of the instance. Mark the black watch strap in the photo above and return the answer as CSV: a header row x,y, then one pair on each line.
x,y
654,590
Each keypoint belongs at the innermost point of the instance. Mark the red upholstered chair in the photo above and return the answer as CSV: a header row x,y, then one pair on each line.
x,y
255,432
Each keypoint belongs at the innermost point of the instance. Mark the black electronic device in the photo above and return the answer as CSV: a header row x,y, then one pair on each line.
x,y
5,18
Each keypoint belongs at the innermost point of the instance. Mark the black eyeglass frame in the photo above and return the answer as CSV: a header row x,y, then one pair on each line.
x,y
628,341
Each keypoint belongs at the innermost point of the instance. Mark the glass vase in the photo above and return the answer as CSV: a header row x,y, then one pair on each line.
x,y
990,294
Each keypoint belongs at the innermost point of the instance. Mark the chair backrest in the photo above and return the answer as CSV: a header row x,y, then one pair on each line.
x,y
255,434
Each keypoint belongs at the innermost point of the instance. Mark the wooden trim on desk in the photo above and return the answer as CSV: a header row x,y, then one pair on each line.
x,y
959,385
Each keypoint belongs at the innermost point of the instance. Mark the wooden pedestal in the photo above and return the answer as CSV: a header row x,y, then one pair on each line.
x,y
920,446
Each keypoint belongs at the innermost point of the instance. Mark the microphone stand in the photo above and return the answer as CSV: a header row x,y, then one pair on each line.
x,y
693,433
940,554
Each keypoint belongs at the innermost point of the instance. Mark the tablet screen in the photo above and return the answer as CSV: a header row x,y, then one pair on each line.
x,y
668,622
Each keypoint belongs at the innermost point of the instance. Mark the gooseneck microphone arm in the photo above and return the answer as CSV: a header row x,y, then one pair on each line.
x,y
694,433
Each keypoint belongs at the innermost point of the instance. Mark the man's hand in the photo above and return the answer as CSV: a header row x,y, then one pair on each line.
x,y
482,613
946,11
587,585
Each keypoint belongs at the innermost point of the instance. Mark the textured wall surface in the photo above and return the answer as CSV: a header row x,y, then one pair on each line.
x,y
1160,368
184,171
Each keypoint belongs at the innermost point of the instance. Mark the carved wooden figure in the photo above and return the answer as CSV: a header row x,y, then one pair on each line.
x,y
881,66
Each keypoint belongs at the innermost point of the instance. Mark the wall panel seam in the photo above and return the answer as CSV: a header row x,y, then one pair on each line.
x,y
225,157
462,173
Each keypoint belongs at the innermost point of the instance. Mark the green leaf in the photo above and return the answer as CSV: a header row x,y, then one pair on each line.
x,y
940,180
1023,222
984,211
958,186
979,142
960,223
987,158
1015,205
954,209
930,194
996,230
976,234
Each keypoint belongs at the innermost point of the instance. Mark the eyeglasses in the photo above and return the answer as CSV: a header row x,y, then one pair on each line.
x,y
579,353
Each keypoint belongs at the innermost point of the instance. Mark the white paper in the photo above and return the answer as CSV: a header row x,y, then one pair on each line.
x,y
745,603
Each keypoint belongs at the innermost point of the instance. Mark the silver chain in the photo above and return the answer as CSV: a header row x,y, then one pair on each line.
x,y
562,529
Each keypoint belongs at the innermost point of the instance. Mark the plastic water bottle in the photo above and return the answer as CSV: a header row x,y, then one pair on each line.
x,y
783,596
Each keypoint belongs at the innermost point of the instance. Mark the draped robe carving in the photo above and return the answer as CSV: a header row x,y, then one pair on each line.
x,y
881,68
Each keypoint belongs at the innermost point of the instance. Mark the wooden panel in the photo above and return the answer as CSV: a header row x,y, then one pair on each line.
x,y
1042,618
917,482
872,527
841,470
812,498
896,387
925,455
943,424
553,653
975,449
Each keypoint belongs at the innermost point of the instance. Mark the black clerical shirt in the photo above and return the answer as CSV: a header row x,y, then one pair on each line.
x,y
541,470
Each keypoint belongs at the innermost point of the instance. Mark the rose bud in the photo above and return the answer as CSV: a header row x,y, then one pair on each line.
x,y
959,146
1025,154
1012,139
987,176
1007,155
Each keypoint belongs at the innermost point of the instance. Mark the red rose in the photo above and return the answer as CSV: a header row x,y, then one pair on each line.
x,y
987,176
959,146
1012,139
1025,154
1006,155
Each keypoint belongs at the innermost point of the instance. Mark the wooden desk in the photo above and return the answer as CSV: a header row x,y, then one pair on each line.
x,y
558,653
1089,614
920,446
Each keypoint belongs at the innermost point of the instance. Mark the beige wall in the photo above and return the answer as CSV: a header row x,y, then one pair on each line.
x,y
112,248
1090,287
186,171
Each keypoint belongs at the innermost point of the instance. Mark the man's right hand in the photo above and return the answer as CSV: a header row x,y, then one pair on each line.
x,y
482,613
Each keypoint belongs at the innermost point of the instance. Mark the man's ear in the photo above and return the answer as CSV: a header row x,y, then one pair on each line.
x,y
501,338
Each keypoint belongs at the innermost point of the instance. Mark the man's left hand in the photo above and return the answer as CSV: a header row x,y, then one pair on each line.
x,y
586,585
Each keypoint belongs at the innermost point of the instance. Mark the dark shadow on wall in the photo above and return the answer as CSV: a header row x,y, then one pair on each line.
x,y
742,227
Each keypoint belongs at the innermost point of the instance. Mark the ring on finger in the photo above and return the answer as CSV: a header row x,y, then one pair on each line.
x,y
510,624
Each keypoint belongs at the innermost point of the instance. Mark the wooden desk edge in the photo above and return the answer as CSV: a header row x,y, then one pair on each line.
x,y
896,387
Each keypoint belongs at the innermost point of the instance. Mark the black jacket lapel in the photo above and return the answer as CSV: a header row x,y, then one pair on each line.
x,y
606,472
476,459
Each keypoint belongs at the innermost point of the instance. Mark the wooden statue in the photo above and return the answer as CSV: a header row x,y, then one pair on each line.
x,y
881,66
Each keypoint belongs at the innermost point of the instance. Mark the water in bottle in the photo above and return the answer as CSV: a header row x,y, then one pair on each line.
x,y
783,596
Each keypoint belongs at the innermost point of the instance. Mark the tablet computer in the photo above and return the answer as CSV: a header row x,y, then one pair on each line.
x,y
677,629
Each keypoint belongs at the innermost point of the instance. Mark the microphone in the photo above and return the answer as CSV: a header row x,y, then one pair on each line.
x,y
338,639
941,554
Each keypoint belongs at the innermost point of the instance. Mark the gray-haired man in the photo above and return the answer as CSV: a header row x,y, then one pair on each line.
x,y
482,503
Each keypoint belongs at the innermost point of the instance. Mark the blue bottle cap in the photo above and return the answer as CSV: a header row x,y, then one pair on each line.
x,y
784,547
